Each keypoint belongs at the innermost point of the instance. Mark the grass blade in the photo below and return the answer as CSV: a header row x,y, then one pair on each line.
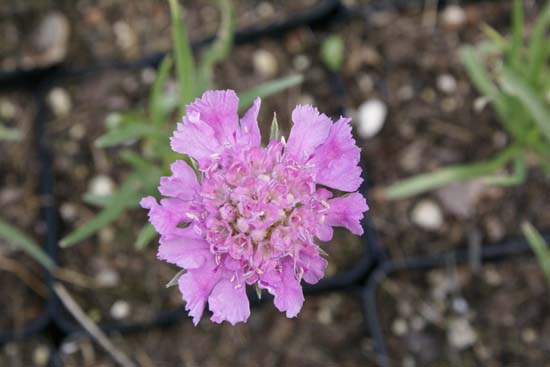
x,y
185,66
267,89
155,99
120,201
539,246
221,47
125,134
25,244
515,86
514,52
429,181
145,236
7,134
538,44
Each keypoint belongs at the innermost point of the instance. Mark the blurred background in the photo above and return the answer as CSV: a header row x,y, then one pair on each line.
x,y
73,72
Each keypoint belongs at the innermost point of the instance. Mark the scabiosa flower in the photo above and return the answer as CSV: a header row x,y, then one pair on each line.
x,y
250,215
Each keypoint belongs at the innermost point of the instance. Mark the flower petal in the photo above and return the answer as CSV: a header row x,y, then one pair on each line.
x,y
249,133
188,252
347,211
228,302
286,288
168,215
182,184
336,159
195,287
314,267
310,130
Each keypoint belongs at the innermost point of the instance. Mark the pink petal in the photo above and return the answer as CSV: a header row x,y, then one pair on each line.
x,y
168,215
250,132
228,302
314,267
310,130
285,287
347,211
336,159
195,287
188,252
182,184
210,123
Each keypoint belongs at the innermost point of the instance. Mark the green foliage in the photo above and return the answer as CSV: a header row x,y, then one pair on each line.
x,y
150,130
515,75
7,134
332,52
539,247
26,244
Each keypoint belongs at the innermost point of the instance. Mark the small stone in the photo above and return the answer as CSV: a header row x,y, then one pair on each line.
x,y
446,83
106,235
460,334
120,310
50,40
148,75
265,63
69,347
107,278
480,103
59,102
529,336
427,215
492,276
365,83
125,37
101,185
399,327
418,323
7,109
371,118
324,315
453,16
495,229
41,356
460,198
265,9
405,92
77,131
68,211
301,62
460,305
306,99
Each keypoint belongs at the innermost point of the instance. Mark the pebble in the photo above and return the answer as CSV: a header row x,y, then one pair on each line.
x,y
453,16
480,103
59,102
68,211
460,198
460,305
399,327
265,63
107,278
7,109
77,131
101,185
69,347
405,92
50,40
371,118
120,310
125,37
446,83
365,83
41,356
460,334
529,336
427,215
301,63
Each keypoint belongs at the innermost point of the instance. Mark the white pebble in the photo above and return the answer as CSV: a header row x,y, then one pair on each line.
x,y
59,101
265,63
101,185
7,109
41,355
461,335
120,310
371,118
399,327
446,83
427,215
301,62
453,16
107,278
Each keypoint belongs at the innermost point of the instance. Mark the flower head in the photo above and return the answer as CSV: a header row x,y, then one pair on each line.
x,y
249,215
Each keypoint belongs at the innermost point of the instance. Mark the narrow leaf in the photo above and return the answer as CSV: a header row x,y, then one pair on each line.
x,y
538,45
274,130
267,89
156,107
174,280
517,32
8,134
26,244
145,236
185,66
125,134
539,247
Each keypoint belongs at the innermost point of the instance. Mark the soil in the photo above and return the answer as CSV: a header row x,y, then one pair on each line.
x,y
20,205
34,352
395,57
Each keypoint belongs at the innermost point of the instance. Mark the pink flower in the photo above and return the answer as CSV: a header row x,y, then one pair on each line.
x,y
250,214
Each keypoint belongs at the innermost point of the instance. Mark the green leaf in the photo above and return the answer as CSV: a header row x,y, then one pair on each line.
x,y
514,85
120,201
539,247
444,176
96,200
145,236
221,47
274,130
126,133
7,134
538,45
332,52
517,178
185,66
517,33
26,244
156,107
496,38
267,89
